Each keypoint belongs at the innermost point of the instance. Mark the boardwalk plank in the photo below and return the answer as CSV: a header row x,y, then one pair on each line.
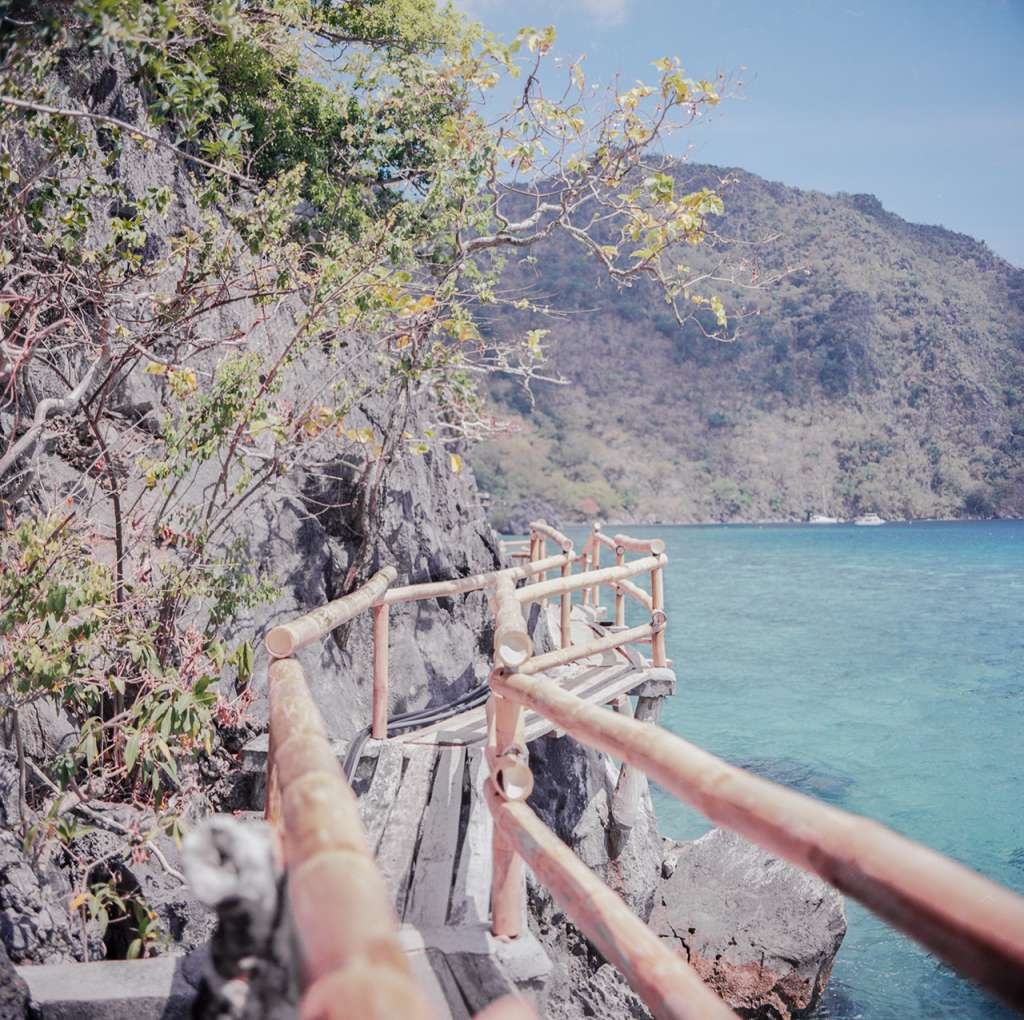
x,y
427,903
397,846
375,805
471,894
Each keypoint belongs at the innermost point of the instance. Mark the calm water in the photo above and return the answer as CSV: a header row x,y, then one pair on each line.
x,y
881,669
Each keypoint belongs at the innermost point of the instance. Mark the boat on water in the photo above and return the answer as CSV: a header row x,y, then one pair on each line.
x,y
822,519
868,520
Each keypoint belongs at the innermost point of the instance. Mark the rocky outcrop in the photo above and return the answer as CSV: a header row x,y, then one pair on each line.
x,y
515,518
762,933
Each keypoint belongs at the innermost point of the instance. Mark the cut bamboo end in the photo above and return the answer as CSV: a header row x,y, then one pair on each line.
x,y
280,643
512,647
652,546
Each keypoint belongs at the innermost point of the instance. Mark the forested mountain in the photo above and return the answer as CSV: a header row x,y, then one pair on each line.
x,y
883,371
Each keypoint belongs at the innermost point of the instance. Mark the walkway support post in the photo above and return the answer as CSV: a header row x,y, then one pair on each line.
x,y
658,655
505,743
565,609
620,594
381,632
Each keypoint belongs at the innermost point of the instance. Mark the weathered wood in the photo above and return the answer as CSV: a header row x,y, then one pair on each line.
x,y
397,846
287,639
375,805
666,983
972,923
543,589
470,902
427,902
565,608
598,684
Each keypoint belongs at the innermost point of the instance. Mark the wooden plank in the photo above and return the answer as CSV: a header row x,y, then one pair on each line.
x,y
597,685
375,805
427,903
397,845
471,893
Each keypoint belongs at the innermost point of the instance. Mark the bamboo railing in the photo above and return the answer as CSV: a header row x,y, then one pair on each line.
x,y
973,924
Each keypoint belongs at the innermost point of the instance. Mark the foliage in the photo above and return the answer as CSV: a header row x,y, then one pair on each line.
x,y
226,227
883,375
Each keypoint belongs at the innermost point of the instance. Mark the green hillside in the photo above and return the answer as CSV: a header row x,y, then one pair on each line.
x,y
887,373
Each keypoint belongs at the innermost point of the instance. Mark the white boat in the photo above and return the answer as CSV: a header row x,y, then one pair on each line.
x,y
822,519
868,520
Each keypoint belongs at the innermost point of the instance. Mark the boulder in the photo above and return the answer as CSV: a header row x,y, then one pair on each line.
x,y
762,933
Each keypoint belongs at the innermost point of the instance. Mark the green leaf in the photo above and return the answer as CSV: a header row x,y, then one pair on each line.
x,y
131,751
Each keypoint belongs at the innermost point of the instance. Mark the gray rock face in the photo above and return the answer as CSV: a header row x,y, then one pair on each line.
x,y
35,925
762,933
515,518
13,990
572,793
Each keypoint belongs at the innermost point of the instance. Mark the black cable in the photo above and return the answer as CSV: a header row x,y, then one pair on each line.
x,y
472,698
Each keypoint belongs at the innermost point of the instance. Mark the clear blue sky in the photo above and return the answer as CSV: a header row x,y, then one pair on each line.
x,y
920,102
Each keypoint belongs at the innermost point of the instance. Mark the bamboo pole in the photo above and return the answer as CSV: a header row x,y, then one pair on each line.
x,y
658,655
635,592
565,610
544,530
972,923
651,546
666,983
621,589
475,582
563,656
353,961
595,564
285,640
508,879
512,644
381,632
543,589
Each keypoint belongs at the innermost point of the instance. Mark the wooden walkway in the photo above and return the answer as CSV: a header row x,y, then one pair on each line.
x,y
599,680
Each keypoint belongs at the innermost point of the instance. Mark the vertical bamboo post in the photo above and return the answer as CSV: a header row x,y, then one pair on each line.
x,y
542,551
595,564
508,878
658,604
620,593
272,795
381,629
566,608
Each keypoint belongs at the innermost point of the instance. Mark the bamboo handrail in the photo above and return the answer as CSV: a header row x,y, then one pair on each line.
x,y
635,592
651,546
564,656
285,640
474,582
541,529
969,921
608,543
561,585
660,976
353,961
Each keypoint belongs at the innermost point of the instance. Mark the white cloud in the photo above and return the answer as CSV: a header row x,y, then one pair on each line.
x,y
610,12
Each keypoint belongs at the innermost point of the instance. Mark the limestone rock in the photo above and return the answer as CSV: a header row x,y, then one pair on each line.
x,y
762,933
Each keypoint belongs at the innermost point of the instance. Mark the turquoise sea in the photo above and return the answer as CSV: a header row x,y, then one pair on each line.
x,y
881,669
